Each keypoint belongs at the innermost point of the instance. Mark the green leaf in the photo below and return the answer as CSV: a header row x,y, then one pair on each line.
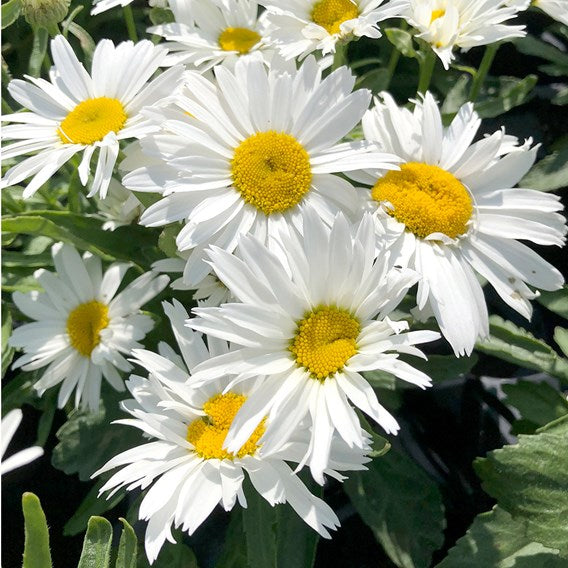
x,y
402,506
161,16
88,439
456,97
402,40
516,345
538,403
444,367
556,302
529,481
551,172
234,554
561,97
10,12
7,351
19,391
530,45
132,243
175,556
259,521
497,540
97,543
90,506
36,545
127,548
39,49
167,240
561,338
376,80
512,92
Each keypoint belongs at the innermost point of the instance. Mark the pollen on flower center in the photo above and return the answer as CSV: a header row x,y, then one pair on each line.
x,y
427,199
85,324
238,39
91,120
325,339
330,14
207,434
437,14
271,170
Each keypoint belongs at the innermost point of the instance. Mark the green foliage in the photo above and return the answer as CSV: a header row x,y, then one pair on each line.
x,y
10,12
234,553
511,92
408,523
558,60
529,481
442,368
402,40
556,302
497,540
552,171
127,547
36,546
171,556
516,345
7,351
97,544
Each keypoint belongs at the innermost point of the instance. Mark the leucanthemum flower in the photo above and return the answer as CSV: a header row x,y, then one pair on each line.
x,y
120,206
557,9
83,327
451,212
187,427
104,5
306,326
212,32
76,112
10,424
253,152
299,27
450,24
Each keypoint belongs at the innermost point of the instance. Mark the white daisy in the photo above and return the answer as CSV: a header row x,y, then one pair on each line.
x,y
557,9
104,5
82,325
298,27
120,206
76,112
257,149
306,326
449,24
451,212
188,427
211,32
10,424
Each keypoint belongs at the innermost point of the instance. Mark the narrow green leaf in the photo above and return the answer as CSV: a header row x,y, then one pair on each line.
x,y
127,548
97,543
19,391
552,171
90,506
402,40
234,554
408,523
7,352
516,345
561,338
512,92
376,80
556,302
36,545
259,521
530,45
175,556
444,367
529,481
10,12
497,540
49,402
39,50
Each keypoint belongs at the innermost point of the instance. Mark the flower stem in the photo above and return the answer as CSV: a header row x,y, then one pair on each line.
x,y
340,57
426,69
484,66
130,24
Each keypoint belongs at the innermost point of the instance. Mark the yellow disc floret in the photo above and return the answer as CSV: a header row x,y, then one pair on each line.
x,y
91,120
238,39
325,339
85,324
437,14
207,434
271,170
427,199
330,14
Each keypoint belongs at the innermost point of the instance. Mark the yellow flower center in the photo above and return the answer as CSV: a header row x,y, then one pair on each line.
x,y
427,199
91,120
85,324
238,39
330,14
325,339
207,434
436,14
271,170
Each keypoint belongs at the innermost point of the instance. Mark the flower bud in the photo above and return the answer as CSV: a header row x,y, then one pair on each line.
x,y
44,13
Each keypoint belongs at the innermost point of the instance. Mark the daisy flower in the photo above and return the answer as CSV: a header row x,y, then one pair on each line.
x,y
76,112
10,424
187,428
251,153
298,27
449,24
212,32
557,9
306,326
120,206
452,213
104,5
82,325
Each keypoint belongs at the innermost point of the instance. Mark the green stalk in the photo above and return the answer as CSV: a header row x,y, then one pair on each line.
x,y
426,70
340,57
130,24
484,66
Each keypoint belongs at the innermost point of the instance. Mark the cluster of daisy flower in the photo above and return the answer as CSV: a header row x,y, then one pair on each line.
x,y
299,240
